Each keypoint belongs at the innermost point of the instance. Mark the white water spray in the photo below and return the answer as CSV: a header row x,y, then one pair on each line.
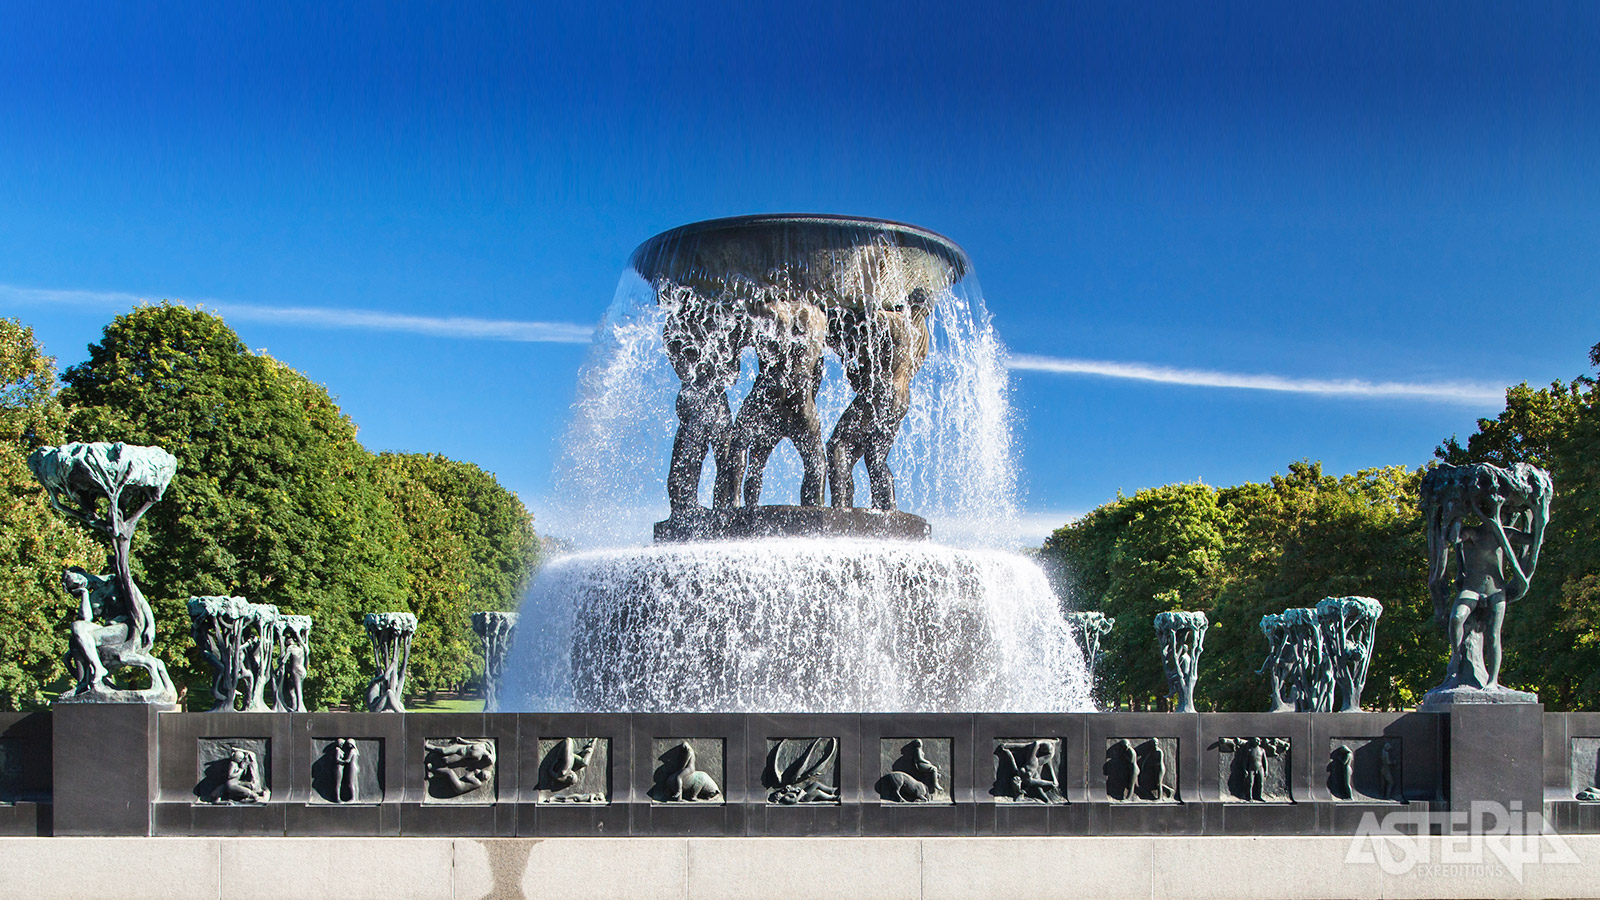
x,y
793,625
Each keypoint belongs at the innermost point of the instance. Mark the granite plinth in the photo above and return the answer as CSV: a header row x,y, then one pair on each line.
x,y
1441,699
791,521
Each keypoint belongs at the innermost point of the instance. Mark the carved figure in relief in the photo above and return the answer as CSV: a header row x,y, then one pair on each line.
x,y
1390,769
912,778
1341,767
346,757
805,778
1122,766
1250,756
241,781
1158,764
459,766
565,765
1027,770
681,781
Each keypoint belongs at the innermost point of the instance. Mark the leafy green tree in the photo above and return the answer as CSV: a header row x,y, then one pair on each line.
x,y
275,499
435,561
469,546
36,542
1157,551
493,524
1304,536
1241,552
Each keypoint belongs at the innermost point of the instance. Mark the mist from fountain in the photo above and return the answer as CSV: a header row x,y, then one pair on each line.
x,y
794,624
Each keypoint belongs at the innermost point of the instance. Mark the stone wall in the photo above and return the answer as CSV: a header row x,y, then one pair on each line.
x,y
123,769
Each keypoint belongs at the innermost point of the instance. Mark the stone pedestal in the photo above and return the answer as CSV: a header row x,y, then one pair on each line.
x,y
104,762
1496,761
745,522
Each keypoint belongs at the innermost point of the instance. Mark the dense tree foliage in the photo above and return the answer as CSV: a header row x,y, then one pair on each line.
x,y
1304,536
36,543
275,500
1156,551
468,544
1241,552
1244,551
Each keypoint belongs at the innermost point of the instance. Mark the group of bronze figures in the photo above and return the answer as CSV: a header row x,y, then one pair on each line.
x,y
256,652
882,346
259,655
1317,658
1485,525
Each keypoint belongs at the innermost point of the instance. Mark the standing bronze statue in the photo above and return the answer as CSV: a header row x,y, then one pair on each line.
x,y
789,337
703,339
882,348
793,288
109,488
1485,526
390,633
1182,635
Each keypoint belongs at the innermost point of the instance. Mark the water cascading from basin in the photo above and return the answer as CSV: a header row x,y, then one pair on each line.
x,y
800,625
829,617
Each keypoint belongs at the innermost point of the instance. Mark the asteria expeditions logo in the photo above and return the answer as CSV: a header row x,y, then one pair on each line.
x,y
1486,841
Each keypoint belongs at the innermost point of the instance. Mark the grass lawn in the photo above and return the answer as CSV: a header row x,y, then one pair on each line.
x,y
418,704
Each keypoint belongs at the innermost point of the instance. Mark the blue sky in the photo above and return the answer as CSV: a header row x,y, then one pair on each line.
x,y
1379,193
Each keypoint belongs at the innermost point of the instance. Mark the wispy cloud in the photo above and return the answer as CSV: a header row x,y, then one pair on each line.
x,y
326,317
1465,393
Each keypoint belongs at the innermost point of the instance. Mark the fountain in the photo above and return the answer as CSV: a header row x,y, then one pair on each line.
x,y
748,335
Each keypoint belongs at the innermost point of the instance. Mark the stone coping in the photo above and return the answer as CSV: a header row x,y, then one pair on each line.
x,y
1104,868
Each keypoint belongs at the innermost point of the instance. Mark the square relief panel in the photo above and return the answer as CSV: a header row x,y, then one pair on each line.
x,y
1586,769
459,770
1027,770
801,770
574,770
11,772
915,770
1141,770
1254,769
1366,770
232,771
688,770
347,770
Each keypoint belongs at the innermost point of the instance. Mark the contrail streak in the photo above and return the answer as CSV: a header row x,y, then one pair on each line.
x,y
1438,392
1464,393
325,317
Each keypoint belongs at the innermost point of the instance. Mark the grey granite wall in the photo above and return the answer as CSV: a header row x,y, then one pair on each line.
x,y
117,769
